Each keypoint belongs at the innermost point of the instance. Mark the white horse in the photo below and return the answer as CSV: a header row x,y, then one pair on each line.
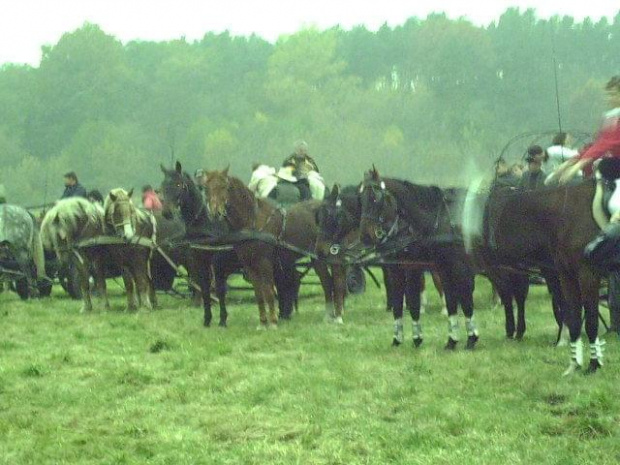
x,y
64,226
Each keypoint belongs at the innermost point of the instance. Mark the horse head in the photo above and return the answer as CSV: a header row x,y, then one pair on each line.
x,y
337,216
178,191
217,185
379,209
120,213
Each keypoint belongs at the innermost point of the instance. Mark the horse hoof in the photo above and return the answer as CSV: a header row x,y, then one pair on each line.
x,y
338,320
417,342
572,368
206,323
451,344
593,367
519,337
223,324
261,327
395,342
273,327
471,342
510,337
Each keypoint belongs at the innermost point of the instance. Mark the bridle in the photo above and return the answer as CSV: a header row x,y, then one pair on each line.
x,y
379,196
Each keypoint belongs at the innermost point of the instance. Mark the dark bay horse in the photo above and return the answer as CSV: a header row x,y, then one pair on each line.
x,y
338,243
268,263
415,222
558,223
180,192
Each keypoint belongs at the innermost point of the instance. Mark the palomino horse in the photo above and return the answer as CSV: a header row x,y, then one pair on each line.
x,y
267,263
124,220
557,223
64,226
180,192
21,252
415,222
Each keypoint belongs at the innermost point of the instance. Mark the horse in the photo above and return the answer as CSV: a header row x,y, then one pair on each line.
x,y
21,252
413,222
551,227
510,281
338,242
124,220
269,262
64,226
181,192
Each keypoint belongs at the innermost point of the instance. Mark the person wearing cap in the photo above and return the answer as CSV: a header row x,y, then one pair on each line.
x,y
534,176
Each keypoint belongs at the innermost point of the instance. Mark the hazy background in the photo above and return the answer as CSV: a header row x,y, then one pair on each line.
x,y
431,100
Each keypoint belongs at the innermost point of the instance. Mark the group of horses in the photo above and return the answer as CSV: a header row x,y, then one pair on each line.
x,y
406,228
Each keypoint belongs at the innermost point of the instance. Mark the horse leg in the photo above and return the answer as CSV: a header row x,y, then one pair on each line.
x,y
398,282
84,274
465,289
503,286
440,290
589,284
128,280
557,304
572,318
415,283
221,278
339,277
521,286
387,282
284,274
202,270
327,283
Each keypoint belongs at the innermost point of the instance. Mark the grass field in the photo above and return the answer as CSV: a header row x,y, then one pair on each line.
x,y
157,388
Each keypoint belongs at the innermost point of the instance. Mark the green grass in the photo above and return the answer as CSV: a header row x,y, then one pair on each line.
x,y
114,388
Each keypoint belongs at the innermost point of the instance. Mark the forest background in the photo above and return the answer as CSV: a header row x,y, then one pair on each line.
x,y
433,100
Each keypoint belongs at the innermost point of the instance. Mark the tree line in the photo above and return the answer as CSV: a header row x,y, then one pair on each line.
x,y
432,100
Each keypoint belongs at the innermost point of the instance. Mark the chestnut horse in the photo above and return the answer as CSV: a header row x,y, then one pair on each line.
x,y
268,262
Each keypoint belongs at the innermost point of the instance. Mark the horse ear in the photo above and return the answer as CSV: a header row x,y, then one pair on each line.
x,y
112,197
374,172
178,168
333,195
163,168
130,193
225,172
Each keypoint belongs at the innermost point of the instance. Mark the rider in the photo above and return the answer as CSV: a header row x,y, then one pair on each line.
x,y
534,177
72,187
306,170
504,175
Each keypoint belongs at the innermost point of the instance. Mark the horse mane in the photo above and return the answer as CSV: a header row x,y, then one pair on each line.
x,y
245,203
63,221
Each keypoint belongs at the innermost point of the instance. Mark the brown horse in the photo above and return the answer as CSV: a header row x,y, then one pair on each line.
x,y
265,261
124,220
557,223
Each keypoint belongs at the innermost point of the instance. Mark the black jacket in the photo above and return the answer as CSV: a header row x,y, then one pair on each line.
x,y
74,191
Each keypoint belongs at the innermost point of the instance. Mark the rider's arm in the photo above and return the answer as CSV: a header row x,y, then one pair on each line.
x,y
597,206
573,169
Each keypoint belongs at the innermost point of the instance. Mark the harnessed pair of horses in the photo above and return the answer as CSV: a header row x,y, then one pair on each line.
x,y
416,223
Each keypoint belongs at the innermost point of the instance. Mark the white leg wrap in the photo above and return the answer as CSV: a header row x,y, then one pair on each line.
x,y
596,350
453,327
417,330
398,330
472,330
576,357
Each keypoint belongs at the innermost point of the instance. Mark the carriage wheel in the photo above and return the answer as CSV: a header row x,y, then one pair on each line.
x,y
70,280
21,287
